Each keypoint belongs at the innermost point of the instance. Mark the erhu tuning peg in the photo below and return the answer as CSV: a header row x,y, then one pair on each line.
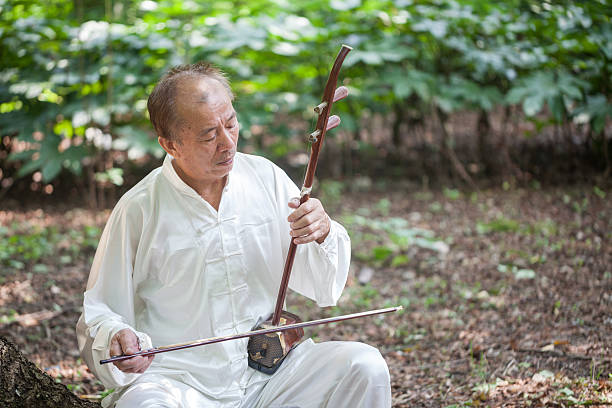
x,y
314,136
333,122
340,93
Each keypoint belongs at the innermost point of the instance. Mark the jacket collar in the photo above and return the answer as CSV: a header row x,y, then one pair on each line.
x,y
178,183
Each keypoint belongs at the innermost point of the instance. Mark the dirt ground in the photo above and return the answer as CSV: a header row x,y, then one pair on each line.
x,y
507,292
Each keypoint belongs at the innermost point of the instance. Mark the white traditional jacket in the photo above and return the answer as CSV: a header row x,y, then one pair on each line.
x,y
173,269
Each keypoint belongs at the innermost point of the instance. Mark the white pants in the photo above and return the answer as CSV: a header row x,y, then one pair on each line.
x,y
330,374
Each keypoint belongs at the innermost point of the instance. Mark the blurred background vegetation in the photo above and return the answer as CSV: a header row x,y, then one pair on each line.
x,y
462,89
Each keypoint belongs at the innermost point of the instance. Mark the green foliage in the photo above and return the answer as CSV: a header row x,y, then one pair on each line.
x,y
556,90
383,206
500,224
599,192
112,175
74,77
24,246
452,194
104,393
391,237
17,249
330,192
363,296
518,273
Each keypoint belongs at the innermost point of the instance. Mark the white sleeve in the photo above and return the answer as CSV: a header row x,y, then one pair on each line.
x,y
319,270
108,304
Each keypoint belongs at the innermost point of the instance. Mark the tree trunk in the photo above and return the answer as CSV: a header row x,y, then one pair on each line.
x,y
23,385
483,133
397,126
506,165
448,149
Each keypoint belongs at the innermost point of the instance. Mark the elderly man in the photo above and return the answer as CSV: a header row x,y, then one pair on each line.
x,y
196,249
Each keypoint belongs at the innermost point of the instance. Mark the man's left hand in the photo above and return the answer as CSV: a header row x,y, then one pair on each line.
x,y
309,222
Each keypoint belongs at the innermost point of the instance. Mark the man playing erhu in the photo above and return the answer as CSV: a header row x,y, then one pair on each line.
x,y
196,249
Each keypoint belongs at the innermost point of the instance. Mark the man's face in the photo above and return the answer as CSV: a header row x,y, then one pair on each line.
x,y
207,132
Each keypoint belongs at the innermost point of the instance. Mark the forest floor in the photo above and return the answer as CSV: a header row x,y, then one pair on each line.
x,y
507,293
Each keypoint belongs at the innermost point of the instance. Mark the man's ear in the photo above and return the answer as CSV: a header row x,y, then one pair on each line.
x,y
168,145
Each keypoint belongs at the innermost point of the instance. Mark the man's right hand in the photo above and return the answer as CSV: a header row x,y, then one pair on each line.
x,y
126,342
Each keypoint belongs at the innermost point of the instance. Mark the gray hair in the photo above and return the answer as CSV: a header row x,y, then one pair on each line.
x,y
161,103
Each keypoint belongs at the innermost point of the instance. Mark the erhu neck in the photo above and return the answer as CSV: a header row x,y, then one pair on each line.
x,y
324,123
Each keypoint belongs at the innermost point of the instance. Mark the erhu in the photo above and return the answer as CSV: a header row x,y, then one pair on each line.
x,y
267,351
271,341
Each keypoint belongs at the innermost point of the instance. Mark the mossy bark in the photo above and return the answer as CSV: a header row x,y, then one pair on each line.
x,y
24,385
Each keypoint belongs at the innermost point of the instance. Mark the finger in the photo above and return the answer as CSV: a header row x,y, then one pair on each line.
x,y
294,202
128,364
302,210
129,342
307,220
141,365
311,220
307,231
309,238
305,208
123,343
132,365
147,363
115,348
147,360
316,215
317,231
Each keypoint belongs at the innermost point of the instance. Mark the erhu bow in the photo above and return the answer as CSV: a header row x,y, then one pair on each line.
x,y
270,343
271,330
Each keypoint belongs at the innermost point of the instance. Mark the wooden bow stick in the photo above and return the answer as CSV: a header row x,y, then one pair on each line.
x,y
211,340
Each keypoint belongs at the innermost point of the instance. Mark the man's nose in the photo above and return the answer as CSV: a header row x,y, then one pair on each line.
x,y
226,140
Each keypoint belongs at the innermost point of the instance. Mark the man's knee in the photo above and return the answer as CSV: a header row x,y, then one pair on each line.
x,y
149,395
364,362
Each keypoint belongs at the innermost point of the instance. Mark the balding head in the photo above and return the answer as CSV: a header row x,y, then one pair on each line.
x,y
176,83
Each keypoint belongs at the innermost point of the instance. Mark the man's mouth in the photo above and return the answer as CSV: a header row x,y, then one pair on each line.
x,y
227,161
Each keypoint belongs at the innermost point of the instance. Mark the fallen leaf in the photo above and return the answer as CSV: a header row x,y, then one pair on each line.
x,y
548,347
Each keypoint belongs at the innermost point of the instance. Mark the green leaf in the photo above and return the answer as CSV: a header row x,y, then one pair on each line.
x,y
599,192
381,253
29,167
16,264
557,108
546,374
399,260
344,5
40,268
17,156
596,111
524,274
517,94
452,194
533,104
368,57
51,169
402,89
498,225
